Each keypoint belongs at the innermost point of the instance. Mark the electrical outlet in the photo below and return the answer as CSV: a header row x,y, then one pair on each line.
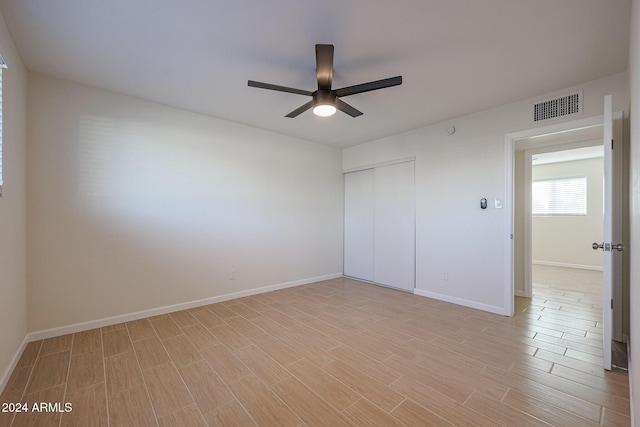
x,y
233,275
445,275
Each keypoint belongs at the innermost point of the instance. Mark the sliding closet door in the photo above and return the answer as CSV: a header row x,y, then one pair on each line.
x,y
379,225
394,237
359,205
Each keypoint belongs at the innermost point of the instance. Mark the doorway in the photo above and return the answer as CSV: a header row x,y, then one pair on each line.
x,y
522,148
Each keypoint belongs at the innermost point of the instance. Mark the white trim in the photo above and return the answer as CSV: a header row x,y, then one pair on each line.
x,y
4,379
568,265
108,321
520,293
509,140
462,301
378,165
528,223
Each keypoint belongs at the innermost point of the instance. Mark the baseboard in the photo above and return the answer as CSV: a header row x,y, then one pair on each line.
x,y
461,301
14,362
108,321
519,293
567,265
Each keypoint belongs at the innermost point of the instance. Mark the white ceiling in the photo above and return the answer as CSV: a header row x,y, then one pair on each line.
x,y
455,56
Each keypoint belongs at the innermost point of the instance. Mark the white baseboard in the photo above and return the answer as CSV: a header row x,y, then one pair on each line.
x,y
108,321
519,293
567,265
461,301
4,379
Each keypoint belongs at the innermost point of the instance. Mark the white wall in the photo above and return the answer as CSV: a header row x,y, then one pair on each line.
x,y
634,215
13,226
566,240
133,206
452,174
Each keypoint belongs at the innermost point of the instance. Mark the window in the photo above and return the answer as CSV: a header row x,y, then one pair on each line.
x,y
563,196
2,65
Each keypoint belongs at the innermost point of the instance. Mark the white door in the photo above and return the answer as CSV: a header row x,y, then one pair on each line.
x,y
394,262
612,244
359,223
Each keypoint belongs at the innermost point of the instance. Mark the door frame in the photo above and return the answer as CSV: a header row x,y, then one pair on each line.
x,y
510,151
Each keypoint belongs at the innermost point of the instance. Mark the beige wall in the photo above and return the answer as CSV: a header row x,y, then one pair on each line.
x,y
566,240
13,282
133,206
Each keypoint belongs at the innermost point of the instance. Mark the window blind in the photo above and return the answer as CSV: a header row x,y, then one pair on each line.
x,y
564,196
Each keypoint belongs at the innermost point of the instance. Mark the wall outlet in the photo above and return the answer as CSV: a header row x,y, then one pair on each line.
x,y
233,275
445,275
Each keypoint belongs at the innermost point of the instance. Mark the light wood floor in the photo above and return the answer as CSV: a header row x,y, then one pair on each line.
x,y
333,353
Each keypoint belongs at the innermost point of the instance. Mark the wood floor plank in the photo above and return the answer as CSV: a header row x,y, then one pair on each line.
x,y
189,416
206,387
181,350
544,411
86,341
262,404
225,363
262,365
150,353
231,414
439,404
335,392
86,369
140,329
166,389
49,371
308,405
116,342
364,413
200,336
412,414
56,345
131,407
123,373
498,411
373,390
89,407
183,318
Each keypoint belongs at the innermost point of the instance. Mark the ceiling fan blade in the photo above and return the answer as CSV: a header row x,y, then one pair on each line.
x,y
324,66
279,88
366,87
299,110
343,106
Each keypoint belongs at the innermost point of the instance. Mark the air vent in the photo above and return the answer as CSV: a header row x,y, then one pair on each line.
x,y
568,105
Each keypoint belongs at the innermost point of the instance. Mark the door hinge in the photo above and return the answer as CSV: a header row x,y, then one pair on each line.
x,y
612,144
611,303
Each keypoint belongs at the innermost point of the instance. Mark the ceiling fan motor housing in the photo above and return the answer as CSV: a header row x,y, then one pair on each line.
x,y
324,97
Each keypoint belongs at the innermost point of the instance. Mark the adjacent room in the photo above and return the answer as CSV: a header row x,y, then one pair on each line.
x,y
304,213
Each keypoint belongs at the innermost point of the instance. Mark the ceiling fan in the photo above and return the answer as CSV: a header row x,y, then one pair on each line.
x,y
325,101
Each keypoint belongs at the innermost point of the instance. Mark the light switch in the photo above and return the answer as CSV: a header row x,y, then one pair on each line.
x,y
498,203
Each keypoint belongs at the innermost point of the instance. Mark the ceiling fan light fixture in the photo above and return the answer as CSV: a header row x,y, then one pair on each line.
x,y
324,110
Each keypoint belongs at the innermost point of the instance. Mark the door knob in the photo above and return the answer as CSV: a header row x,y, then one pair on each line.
x,y
607,247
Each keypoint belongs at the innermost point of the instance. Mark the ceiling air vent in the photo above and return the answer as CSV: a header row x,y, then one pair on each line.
x,y
568,105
